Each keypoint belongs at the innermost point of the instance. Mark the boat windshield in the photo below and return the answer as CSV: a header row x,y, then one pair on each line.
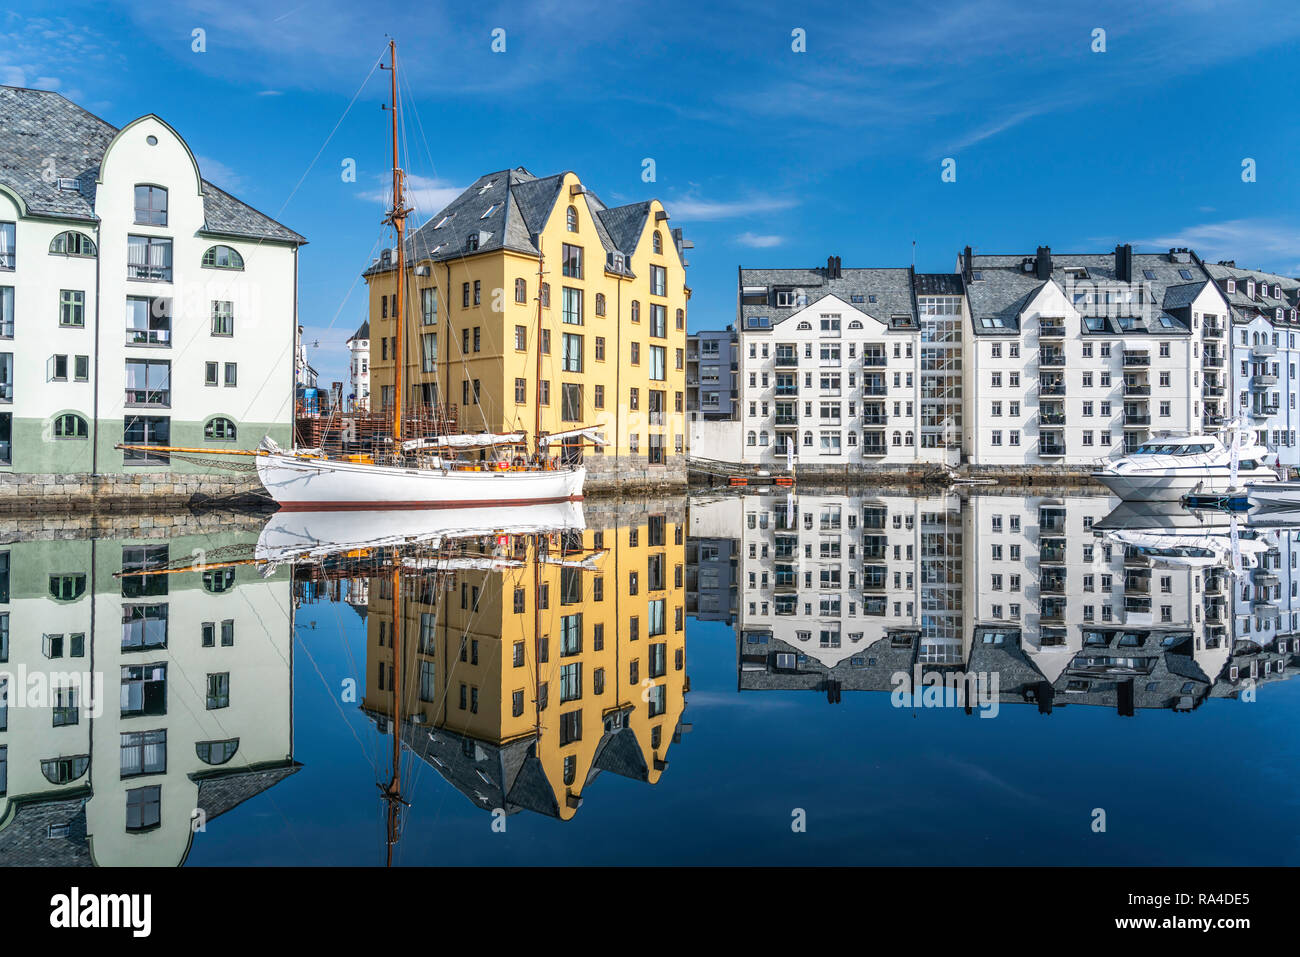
x,y
1169,448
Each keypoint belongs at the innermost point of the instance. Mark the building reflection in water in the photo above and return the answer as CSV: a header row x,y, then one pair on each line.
x,y
532,663
1067,600
195,714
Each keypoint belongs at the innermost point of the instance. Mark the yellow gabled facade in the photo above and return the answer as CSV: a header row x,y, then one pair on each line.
x,y
613,341
546,659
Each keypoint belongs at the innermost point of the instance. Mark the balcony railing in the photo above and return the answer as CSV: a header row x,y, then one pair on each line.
x,y
1051,360
874,419
874,448
1213,362
1137,418
874,389
1264,349
160,398
148,337
1262,380
787,419
787,390
1051,330
1052,553
1213,330
1052,418
875,361
786,361
1135,388
1137,359
1213,390
1051,449
1051,388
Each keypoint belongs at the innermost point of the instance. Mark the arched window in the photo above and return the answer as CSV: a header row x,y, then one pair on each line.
x,y
600,303
752,439
807,439
72,243
220,428
762,438
571,219
67,587
216,752
681,318
657,243
898,438
521,290
570,769
636,311
150,205
69,425
63,770
223,257
909,440
855,324
218,580
804,325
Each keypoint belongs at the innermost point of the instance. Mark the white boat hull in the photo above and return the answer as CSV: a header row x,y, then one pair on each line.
x,y
305,484
1166,487
1278,495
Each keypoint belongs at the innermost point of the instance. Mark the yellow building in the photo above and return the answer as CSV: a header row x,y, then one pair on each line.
x,y
612,331
523,681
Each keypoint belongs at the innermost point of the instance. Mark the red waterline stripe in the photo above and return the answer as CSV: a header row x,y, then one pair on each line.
x,y
394,506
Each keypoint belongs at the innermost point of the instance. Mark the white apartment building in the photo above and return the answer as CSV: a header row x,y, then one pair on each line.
x,y
196,712
359,369
852,589
1070,358
850,367
138,301
1264,354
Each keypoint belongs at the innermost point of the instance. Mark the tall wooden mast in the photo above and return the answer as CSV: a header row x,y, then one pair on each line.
x,y
393,791
537,416
397,217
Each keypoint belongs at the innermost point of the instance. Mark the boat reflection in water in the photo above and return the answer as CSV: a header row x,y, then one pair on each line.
x,y
525,660
1066,600
195,669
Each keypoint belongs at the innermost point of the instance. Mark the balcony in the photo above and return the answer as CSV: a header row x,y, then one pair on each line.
x,y
1048,329
1135,558
788,420
875,360
1052,552
1052,610
1051,522
1213,330
1264,349
1138,581
1052,417
1051,360
1214,391
874,548
1051,388
1262,380
149,398
1137,360
1137,418
1212,361
875,389
873,519
1051,449
1136,388
875,418
786,361
1264,578
787,390
1053,584
874,449
1261,411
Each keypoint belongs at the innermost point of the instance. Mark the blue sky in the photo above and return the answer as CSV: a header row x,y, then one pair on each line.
x,y
764,156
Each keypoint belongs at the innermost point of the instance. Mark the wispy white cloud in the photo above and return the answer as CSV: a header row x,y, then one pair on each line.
x,y
758,241
694,207
425,194
218,172
1262,243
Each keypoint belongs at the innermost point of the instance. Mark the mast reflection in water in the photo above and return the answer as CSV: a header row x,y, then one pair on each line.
x,y
479,687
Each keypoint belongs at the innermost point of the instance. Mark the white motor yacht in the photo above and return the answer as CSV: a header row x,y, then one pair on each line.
x,y
1166,469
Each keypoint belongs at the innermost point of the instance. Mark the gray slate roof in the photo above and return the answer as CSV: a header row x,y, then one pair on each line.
x,y
885,292
1246,307
38,124
520,205
1006,288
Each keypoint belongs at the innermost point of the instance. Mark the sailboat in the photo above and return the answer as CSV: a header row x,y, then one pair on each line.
x,y
421,471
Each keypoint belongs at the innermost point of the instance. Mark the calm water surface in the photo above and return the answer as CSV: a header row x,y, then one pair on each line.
x,y
695,681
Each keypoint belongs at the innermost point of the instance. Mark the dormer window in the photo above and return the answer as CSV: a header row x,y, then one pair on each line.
x,y
1277,291
1232,285
471,242
1076,272
784,298
1250,288
975,276
150,205
1185,273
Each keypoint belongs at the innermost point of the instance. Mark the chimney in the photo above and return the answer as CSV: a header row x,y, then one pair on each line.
x,y
838,272
1043,263
1124,263
966,263
832,267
